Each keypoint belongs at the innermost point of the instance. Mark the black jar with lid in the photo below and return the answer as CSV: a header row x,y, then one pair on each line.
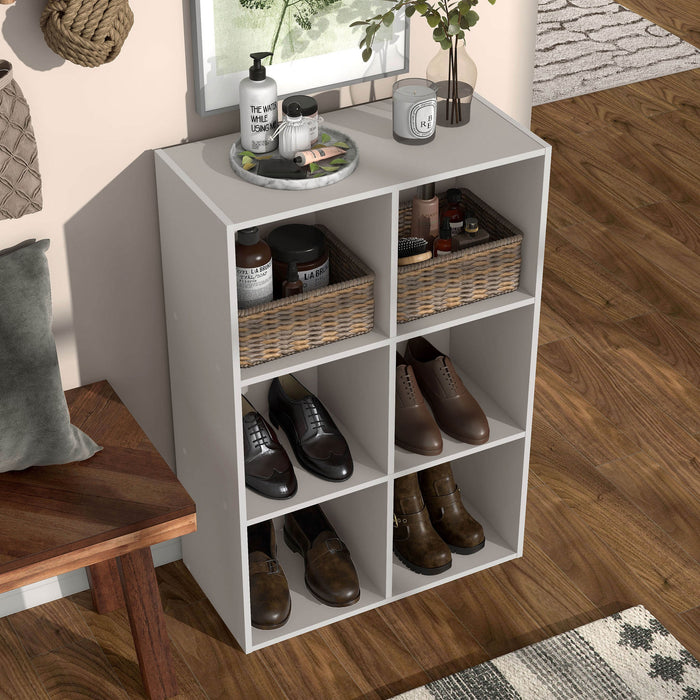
x,y
309,109
306,246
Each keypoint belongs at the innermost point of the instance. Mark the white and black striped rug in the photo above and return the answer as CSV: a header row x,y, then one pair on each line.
x,y
627,656
589,45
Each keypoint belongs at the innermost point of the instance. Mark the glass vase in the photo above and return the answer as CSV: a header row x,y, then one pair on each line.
x,y
454,72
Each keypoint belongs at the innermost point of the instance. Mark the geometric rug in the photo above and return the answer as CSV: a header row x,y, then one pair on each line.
x,y
627,656
588,45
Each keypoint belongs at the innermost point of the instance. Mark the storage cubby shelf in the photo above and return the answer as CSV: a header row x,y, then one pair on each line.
x,y
492,342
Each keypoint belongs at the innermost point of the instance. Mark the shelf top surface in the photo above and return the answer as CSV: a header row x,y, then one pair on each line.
x,y
490,139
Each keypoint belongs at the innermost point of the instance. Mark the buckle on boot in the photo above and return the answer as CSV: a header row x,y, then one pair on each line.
x,y
396,521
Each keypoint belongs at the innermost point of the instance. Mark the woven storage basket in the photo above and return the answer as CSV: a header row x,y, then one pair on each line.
x,y
285,326
464,276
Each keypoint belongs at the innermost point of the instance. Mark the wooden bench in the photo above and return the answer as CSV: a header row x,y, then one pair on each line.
x,y
103,513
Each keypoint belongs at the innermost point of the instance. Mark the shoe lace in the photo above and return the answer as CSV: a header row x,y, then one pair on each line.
x,y
258,432
447,376
316,415
406,385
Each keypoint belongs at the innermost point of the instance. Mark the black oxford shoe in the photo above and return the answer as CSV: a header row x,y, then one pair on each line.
x,y
268,470
315,439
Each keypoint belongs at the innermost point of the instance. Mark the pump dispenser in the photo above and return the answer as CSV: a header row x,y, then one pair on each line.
x,y
257,97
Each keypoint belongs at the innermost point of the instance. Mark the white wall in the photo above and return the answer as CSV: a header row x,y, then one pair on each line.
x,y
96,128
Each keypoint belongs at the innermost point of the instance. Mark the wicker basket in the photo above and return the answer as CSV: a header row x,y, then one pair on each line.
x,y
286,326
464,276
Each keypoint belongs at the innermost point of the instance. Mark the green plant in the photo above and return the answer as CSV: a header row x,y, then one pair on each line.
x,y
448,19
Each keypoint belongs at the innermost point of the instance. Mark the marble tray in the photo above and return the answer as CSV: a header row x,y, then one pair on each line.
x,y
312,181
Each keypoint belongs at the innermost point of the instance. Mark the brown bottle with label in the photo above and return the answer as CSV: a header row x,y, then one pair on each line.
x,y
292,285
443,243
253,269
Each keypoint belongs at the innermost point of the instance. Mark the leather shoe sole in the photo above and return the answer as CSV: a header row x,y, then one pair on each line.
x,y
418,450
420,569
467,550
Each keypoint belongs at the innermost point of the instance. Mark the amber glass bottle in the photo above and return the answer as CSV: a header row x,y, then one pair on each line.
x,y
292,285
443,243
253,269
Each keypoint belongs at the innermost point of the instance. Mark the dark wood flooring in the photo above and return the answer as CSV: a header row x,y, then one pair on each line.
x,y
613,515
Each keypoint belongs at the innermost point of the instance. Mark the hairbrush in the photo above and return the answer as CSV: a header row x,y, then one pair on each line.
x,y
413,250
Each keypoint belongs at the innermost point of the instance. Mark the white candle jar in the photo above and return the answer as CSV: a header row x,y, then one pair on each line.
x,y
414,110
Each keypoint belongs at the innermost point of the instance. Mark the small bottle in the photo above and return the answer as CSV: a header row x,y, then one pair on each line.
x,y
253,269
472,235
453,210
293,133
257,98
292,285
443,244
425,216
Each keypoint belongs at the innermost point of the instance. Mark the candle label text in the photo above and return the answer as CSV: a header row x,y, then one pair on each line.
x,y
421,118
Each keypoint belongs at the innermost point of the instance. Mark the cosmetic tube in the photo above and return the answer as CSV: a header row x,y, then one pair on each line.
x,y
316,154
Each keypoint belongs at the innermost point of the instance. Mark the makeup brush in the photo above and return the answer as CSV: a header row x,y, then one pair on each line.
x,y
413,250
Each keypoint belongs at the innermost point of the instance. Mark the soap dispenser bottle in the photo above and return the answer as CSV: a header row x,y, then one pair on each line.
x,y
257,98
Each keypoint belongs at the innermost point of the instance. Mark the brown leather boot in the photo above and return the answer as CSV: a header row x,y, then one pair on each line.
x,y
416,543
449,517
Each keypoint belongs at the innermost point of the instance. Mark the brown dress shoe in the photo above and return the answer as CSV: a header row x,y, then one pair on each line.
x,y
268,470
449,517
416,429
456,410
270,604
416,543
329,572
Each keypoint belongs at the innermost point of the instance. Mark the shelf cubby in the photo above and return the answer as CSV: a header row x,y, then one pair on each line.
x,y
345,387
491,484
482,353
367,540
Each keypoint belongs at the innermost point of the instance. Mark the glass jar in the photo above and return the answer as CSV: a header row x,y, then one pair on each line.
x,y
306,246
309,110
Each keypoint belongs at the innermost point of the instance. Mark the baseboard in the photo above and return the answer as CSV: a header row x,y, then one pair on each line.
x,y
72,582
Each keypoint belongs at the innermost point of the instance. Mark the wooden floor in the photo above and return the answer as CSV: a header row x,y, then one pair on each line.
x,y
613,514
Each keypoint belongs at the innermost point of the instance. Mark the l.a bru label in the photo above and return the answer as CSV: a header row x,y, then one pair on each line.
x,y
421,118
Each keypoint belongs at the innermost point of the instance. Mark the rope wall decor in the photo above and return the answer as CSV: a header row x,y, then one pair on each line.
x,y
87,32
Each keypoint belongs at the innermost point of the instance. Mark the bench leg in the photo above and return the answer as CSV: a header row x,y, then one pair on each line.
x,y
106,586
148,623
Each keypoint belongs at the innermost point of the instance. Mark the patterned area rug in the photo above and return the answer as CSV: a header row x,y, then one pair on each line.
x,y
627,656
589,45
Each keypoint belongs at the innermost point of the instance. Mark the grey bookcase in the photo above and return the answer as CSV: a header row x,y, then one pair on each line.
x,y
493,343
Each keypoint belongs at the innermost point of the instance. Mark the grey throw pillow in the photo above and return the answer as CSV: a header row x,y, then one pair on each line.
x,y
35,426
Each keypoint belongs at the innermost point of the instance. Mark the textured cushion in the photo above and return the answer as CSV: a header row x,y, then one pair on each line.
x,y
35,425
20,180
